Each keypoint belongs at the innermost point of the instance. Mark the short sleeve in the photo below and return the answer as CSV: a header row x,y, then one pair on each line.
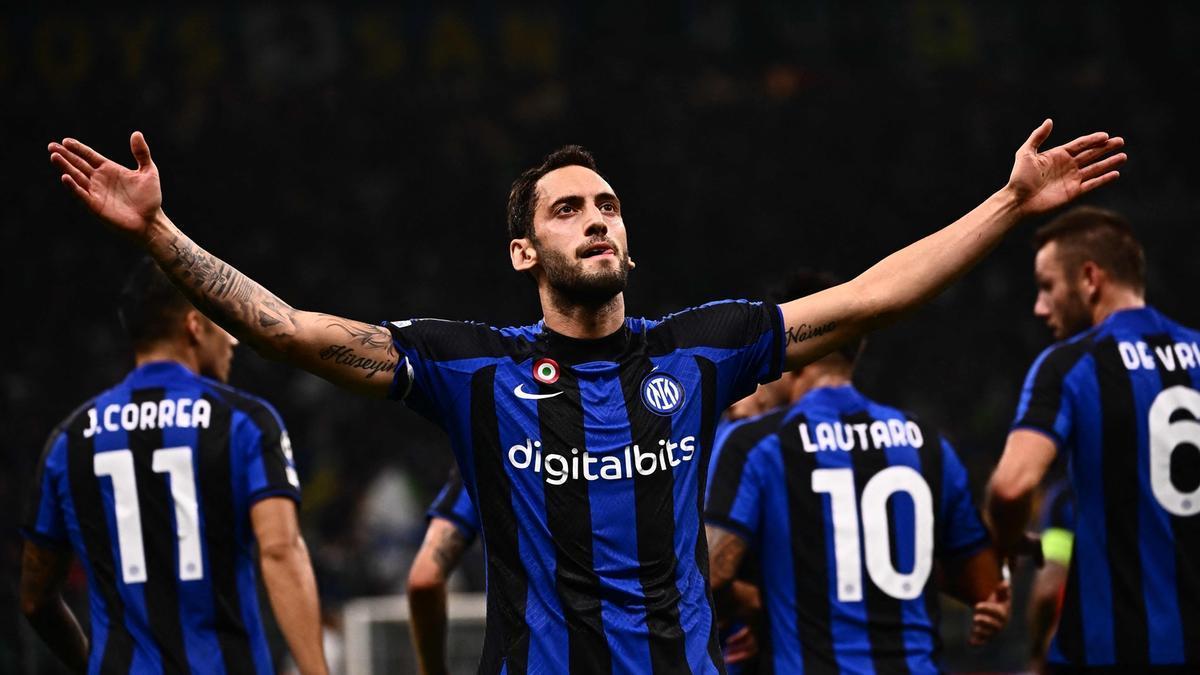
x,y
43,519
733,498
266,449
963,532
438,357
744,339
1045,404
454,504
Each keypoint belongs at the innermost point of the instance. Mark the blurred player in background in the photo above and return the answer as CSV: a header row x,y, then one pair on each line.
x,y
162,485
453,525
583,439
1117,395
801,482
1057,528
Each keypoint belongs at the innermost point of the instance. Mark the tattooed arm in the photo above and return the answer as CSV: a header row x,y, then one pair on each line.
x,y
42,573
439,555
725,553
1040,181
355,355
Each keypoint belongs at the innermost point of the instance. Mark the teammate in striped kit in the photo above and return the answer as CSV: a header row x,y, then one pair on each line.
x,y
162,485
1056,524
583,438
798,484
1117,395
453,525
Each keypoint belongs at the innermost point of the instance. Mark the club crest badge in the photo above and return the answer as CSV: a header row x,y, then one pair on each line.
x,y
662,394
545,371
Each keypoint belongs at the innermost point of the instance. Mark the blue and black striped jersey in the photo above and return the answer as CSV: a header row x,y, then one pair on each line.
x,y
586,459
1120,400
847,504
151,484
453,503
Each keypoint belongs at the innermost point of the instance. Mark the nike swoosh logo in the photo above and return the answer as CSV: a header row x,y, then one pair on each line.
x,y
519,390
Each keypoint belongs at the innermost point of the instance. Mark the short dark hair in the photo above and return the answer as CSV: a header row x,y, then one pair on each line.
x,y
522,198
804,282
150,306
1102,236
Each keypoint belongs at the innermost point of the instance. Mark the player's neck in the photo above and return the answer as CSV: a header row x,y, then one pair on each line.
x,y
819,379
167,352
1115,301
582,321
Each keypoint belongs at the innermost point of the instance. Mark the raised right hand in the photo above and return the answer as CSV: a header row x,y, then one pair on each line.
x,y
129,200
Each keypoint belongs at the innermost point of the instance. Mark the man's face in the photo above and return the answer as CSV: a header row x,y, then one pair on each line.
x,y
579,235
214,350
1060,300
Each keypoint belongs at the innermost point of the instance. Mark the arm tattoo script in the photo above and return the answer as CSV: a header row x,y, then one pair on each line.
x,y
372,339
797,334
231,298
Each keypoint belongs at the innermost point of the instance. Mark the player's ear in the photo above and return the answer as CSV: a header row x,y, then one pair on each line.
x,y
193,323
1090,277
523,254
632,264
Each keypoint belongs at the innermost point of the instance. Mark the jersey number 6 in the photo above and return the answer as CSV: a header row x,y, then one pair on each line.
x,y
1173,424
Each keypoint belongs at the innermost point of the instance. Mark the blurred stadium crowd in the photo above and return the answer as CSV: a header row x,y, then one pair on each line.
x,y
356,159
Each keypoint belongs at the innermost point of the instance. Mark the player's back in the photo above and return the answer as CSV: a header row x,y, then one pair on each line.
x,y
1122,401
151,484
847,503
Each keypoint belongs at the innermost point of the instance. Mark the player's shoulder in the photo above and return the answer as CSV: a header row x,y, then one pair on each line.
x,y
76,420
448,340
707,311
748,432
1059,358
253,407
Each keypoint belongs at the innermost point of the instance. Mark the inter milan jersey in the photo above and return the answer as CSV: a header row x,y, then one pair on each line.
x,y
847,504
1120,400
454,504
151,484
586,459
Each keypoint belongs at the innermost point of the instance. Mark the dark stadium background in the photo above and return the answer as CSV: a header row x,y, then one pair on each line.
x,y
356,160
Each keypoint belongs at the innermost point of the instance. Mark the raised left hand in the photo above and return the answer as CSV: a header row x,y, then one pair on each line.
x,y
1046,180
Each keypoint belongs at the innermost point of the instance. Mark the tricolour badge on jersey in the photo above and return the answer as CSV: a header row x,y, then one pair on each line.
x,y
545,371
662,393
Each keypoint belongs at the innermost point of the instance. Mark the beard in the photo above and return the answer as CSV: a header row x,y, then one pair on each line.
x,y
1073,318
577,286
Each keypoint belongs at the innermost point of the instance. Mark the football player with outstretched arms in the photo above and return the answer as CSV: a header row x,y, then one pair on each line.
x,y
588,416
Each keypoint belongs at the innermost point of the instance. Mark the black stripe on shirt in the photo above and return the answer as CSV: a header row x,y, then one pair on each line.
x,y
932,470
1186,529
708,432
654,499
1069,634
90,513
214,481
884,613
569,519
1045,399
806,517
161,589
727,477
1119,473
506,640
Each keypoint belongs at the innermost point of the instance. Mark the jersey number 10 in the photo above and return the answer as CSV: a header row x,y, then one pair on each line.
x,y
176,463
876,534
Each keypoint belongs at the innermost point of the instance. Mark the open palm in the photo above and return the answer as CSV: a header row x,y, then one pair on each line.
x,y
1047,180
128,199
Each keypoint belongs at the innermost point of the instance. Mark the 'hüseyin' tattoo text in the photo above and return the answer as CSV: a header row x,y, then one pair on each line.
x,y
796,334
345,356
